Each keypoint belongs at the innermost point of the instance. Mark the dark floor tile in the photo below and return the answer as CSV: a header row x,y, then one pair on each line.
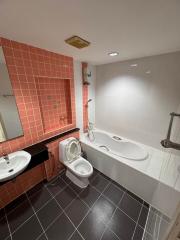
x,y
77,211
11,206
29,231
108,235
113,193
19,215
36,189
65,197
75,188
119,186
89,195
130,206
56,186
76,236
8,238
138,235
91,227
48,213
4,230
122,225
103,209
62,228
100,182
95,173
40,198
65,178
2,213
102,174
146,204
135,197
143,216
42,237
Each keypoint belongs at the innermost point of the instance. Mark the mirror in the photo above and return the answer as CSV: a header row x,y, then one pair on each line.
x,y
10,124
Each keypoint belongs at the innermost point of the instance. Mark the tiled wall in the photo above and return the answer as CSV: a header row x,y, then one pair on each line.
x,y
55,102
85,99
43,85
26,64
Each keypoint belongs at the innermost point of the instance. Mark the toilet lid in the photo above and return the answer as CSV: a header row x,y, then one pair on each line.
x,y
73,150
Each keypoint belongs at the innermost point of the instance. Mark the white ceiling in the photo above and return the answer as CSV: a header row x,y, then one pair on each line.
x,y
134,28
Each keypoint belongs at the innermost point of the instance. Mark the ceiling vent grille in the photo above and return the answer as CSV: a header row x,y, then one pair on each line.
x,y
77,42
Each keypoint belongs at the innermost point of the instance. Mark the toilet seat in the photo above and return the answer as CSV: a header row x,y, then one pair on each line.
x,y
73,150
81,167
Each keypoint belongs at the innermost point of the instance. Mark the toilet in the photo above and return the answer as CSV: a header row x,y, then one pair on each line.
x,y
78,169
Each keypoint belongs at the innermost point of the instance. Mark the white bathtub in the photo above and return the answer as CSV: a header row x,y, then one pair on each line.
x,y
135,166
118,146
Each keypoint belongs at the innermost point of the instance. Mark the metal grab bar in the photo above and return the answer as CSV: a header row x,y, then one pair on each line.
x,y
167,143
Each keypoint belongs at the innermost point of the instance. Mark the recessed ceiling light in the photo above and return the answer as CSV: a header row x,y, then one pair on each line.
x,y
148,72
134,65
113,54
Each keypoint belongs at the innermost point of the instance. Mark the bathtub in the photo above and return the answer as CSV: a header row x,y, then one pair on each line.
x,y
135,166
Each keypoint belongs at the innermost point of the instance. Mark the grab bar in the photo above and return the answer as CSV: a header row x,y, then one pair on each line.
x,y
167,143
103,146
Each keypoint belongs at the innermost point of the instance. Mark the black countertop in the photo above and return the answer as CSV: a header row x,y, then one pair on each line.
x,y
39,151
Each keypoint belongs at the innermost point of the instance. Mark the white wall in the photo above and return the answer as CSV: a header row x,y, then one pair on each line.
x,y
135,104
78,94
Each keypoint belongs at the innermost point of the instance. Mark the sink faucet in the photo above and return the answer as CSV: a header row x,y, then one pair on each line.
x,y
6,157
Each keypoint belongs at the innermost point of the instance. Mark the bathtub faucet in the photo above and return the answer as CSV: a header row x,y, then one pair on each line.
x,y
90,131
167,143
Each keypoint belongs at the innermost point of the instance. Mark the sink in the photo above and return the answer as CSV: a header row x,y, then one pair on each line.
x,y
16,163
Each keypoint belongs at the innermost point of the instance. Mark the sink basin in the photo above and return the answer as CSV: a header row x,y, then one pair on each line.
x,y
16,164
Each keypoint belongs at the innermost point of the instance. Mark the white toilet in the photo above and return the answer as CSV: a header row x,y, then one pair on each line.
x,y
78,169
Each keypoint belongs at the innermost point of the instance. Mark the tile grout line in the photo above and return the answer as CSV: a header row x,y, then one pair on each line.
x,y
10,234
112,218
31,206
89,210
63,212
114,204
36,215
137,222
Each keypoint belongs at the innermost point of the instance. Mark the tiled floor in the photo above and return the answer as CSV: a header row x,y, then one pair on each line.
x,y
59,210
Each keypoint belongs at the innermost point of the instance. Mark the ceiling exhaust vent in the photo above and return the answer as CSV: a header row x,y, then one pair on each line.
x,y
77,42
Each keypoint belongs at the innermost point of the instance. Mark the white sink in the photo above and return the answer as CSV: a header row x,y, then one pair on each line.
x,y
14,165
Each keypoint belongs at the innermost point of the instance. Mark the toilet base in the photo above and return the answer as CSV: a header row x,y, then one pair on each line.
x,y
80,182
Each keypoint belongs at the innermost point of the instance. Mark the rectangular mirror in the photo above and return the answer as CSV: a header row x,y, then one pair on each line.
x,y
10,124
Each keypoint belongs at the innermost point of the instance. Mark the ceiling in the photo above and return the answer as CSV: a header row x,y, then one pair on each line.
x,y
134,28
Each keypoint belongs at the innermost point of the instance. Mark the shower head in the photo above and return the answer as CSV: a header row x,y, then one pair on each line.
x,y
89,100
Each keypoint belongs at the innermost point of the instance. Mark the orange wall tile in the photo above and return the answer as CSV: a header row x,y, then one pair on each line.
x,y
85,99
26,64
